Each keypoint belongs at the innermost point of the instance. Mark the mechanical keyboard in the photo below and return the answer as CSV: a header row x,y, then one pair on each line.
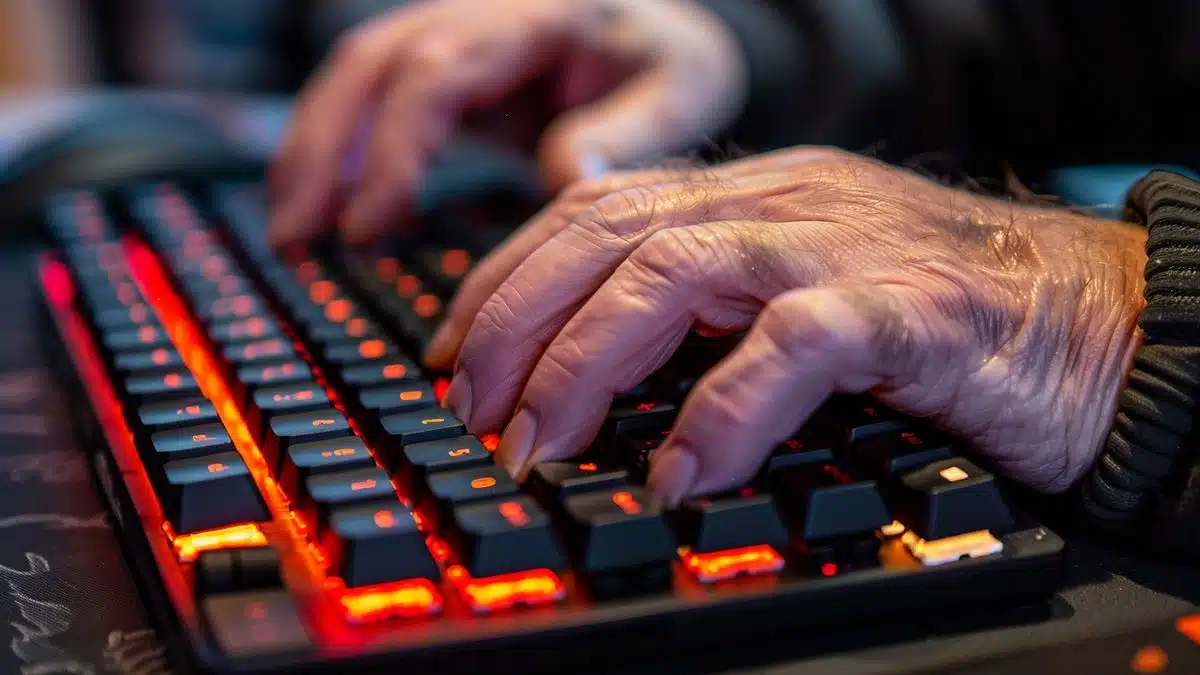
x,y
292,497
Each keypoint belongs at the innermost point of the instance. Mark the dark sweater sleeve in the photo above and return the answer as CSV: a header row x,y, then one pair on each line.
x,y
1031,84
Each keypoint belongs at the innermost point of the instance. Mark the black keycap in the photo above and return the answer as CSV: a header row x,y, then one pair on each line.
x,y
641,415
144,337
803,448
888,454
161,357
447,454
292,397
360,350
150,387
207,492
553,481
383,371
253,328
710,524
302,427
192,441
377,542
325,456
398,398
418,426
862,418
133,316
236,307
503,536
159,416
632,450
827,504
616,529
328,491
275,373
256,623
267,350
237,569
354,328
482,482
951,497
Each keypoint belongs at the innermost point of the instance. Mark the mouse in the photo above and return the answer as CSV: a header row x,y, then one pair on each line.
x,y
123,141
113,143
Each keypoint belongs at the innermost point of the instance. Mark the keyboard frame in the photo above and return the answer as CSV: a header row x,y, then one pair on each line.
x,y
1031,569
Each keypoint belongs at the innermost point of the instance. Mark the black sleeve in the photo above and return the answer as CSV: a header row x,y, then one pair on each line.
x,y
1034,84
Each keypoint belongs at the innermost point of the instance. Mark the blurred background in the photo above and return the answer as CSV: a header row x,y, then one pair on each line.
x,y
252,46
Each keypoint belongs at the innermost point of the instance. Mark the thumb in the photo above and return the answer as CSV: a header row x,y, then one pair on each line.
x,y
652,114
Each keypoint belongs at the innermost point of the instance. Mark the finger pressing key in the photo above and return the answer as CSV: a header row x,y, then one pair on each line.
x,y
805,346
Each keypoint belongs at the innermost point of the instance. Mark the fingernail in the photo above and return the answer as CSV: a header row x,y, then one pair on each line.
x,y
439,353
592,165
517,442
673,474
458,397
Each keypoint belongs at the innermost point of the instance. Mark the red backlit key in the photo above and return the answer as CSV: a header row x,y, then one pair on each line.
x,y
160,357
803,448
502,536
147,387
354,328
829,504
236,307
207,492
447,454
377,542
268,350
398,398
137,314
379,372
323,493
886,455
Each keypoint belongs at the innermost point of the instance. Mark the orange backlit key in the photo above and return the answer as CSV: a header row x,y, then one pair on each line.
x,y
557,480
617,529
362,350
323,493
377,542
398,398
417,426
274,373
147,359
207,492
141,337
501,536
379,372
301,427
449,489
203,439
291,397
147,387
160,416
253,328
328,455
236,307
730,522
259,351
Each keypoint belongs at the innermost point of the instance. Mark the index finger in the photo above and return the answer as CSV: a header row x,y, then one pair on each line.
x,y
305,177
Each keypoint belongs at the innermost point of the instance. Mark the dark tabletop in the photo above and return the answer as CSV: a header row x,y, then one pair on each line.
x,y
69,605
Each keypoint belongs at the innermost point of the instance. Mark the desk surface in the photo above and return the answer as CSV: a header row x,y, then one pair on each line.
x,y
69,605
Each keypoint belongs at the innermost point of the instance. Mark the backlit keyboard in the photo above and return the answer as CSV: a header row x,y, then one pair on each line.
x,y
292,495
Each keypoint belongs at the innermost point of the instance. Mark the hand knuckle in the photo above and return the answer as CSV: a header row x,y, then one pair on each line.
x,y
564,361
354,47
671,254
620,215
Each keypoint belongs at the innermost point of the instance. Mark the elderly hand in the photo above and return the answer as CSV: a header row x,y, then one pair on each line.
x,y
622,81
1009,325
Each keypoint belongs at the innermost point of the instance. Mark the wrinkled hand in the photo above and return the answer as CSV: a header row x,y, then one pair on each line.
x,y
621,81
1011,326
